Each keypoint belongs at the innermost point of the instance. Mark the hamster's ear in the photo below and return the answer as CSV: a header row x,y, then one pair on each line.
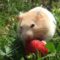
x,y
19,16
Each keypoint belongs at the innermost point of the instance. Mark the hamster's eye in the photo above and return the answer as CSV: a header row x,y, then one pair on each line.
x,y
32,25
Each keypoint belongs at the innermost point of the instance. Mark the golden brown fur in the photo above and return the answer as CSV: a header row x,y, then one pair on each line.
x,y
41,21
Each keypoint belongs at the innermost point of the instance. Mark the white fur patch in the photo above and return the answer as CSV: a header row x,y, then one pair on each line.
x,y
52,25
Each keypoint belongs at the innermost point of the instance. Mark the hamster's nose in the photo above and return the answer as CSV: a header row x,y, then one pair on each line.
x,y
21,28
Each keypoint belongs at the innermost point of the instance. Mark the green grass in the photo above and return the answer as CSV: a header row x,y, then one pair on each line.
x,y
10,46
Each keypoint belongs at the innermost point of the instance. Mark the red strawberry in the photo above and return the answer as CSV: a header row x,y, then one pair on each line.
x,y
33,45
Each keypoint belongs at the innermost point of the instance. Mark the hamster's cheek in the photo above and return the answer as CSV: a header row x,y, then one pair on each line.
x,y
27,34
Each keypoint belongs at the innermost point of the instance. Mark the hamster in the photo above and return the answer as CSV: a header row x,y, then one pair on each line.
x,y
37,23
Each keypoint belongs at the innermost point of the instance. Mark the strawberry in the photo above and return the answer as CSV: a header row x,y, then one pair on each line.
x,y
33,45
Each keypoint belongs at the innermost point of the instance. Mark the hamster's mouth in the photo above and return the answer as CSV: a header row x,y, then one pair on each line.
x,y
40,38
32,38
24,37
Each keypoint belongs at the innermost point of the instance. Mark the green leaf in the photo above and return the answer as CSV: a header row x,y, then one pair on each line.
x,y
51,47
58,47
